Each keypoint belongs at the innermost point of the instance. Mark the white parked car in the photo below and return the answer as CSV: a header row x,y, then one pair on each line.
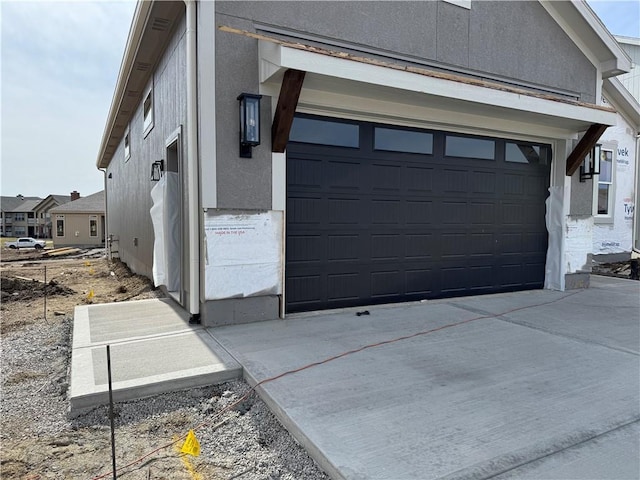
x,y
27,242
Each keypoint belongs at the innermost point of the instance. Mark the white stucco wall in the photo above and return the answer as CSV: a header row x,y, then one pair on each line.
x,y
617,236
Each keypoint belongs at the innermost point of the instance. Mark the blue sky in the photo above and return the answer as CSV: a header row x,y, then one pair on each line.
x,y
59,64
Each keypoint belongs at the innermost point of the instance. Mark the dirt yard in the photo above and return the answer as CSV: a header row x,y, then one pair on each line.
x,y
39,440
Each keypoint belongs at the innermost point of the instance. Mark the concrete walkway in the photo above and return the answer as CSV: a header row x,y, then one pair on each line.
x,y
153,350
537,384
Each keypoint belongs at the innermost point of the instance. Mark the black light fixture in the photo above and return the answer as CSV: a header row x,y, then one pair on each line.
x,y
156,170
591,164
249,123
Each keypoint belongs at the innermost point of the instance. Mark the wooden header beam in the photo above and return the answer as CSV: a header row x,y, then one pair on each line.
x,y
585,145
287,103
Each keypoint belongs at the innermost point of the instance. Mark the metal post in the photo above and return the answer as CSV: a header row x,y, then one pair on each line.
x,y
45,293
113,433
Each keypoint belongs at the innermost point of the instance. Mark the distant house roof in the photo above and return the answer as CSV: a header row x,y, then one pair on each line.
x,y
27,206
9,204
89,204
61,199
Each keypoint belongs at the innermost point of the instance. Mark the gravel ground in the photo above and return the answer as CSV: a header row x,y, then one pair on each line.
x,y
40,441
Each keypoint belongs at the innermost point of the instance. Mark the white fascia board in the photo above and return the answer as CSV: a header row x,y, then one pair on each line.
x,y
286,57
624,102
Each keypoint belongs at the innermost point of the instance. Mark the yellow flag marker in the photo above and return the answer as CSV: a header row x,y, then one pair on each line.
x,y
87,264
191,445
90,294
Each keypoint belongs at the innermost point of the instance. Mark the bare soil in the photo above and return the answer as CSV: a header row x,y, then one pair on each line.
x,y
40,441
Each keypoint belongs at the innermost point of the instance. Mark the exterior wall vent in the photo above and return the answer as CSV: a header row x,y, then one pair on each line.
x,y
143,66
160,24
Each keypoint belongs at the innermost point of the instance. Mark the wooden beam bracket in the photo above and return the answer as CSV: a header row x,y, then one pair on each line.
x,y
286,109
585,145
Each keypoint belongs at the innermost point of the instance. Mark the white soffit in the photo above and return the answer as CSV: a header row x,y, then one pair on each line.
x,y
349,77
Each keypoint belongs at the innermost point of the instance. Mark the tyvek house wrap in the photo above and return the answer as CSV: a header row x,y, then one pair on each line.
x,y
166,228
244,255
553,218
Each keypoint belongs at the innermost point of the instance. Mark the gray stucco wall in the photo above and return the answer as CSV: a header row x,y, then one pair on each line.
x,y
242,183
514,40
129,189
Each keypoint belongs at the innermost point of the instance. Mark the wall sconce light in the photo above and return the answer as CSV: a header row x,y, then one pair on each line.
x,y
156,170
591,164
249,123
110,175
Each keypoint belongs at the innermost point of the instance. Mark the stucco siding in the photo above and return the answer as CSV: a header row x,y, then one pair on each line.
x,y
77,230
516,41
242,183
520,40
128,191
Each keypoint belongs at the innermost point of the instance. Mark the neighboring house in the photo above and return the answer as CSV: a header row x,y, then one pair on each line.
x,y
400,151
616,187
80,223
24,219
43,215
7,215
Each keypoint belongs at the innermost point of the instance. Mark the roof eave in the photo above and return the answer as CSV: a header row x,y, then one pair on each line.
x,y
136,30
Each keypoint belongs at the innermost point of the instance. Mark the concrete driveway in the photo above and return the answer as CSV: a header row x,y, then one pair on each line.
x,y
537,384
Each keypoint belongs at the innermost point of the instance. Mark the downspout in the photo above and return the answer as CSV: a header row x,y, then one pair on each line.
x,y
107,244
193,191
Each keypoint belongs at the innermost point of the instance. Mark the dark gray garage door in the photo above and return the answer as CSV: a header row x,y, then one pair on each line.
x,y
381,214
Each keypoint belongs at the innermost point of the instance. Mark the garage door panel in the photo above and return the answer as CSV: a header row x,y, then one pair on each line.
x,y
453,213
343,176
386,178
420,246
304,248
419,179
367,226
387,284
386,246
305,289
420,281
344,247
345,211
305,173
304,210
386,212
455,181
482,213
483,182
344,286
418,212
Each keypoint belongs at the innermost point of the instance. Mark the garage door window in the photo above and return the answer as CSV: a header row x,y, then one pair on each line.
x,y
323,132
527,153
469,147
393,140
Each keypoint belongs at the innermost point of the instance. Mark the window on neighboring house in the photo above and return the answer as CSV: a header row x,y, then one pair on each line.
x,y
60,226
20,231
19,217
127,146
148,111
604,187
93,227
